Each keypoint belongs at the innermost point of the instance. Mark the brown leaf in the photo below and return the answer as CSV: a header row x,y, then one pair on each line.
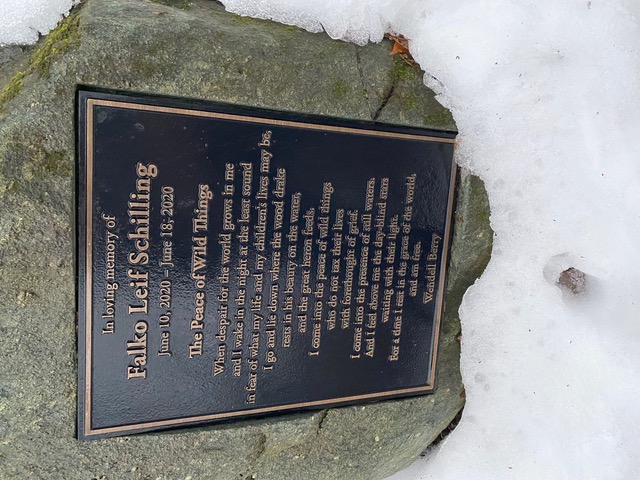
x,y
401,47
398,48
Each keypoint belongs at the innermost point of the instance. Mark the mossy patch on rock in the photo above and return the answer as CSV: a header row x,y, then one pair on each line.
x,y
59,40
11,90
54,45
181,4
440,119
402,70
340,89
408,105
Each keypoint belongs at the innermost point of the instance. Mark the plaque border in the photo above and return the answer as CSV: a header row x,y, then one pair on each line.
x,y
87,99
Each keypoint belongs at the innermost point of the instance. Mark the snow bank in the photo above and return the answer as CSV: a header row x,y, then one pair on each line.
x,y
22,20
546,97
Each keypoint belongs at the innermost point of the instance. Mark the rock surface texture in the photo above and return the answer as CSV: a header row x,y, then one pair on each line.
x,y
192,49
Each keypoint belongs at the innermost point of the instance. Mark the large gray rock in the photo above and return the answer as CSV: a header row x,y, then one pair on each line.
x,y
193,49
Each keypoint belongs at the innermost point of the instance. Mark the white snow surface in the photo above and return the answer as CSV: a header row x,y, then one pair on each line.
x,y
546,97
22,20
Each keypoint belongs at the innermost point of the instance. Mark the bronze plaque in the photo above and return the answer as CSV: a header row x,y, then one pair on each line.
x,y
236,262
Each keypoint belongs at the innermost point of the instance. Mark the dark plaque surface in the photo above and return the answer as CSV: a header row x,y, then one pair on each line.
x,y
236,262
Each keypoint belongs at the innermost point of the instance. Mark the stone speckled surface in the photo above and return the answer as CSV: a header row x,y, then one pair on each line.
x,y
192,49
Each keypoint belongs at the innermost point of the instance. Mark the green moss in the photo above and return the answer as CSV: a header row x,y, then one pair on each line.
x,y
56,163
441,118
11,90
340,89
402,70
181,4
244,19
482,213
59,40
409,101
238,19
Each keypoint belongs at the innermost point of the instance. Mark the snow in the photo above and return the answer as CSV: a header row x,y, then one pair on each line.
x,y
546,97
22,20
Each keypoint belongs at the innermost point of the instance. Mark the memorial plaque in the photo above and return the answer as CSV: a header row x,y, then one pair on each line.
x,y
236,262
